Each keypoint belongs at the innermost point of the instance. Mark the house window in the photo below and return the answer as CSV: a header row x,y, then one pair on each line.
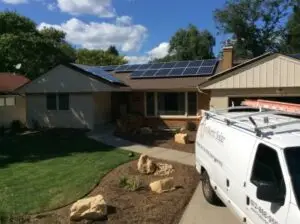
x,y
57,101
192,104
171,103
63,100
7,101
150,101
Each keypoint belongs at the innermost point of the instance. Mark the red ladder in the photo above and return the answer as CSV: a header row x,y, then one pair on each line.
x,y
274,105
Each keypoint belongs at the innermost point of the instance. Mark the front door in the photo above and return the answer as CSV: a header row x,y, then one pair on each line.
x,y
266,168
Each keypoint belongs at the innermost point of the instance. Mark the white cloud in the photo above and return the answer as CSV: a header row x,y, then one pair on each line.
x,y
51,6
124,20
158,52
14,2
100,8
94,35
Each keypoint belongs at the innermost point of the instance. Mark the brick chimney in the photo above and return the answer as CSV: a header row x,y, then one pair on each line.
x,y
227,60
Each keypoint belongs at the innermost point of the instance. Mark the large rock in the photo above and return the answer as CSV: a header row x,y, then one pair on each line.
x,y
181,138
92,208
146,165
164,185
163,169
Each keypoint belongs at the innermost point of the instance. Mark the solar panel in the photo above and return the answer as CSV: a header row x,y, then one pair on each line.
x,y
163,72
99,72
195,63
182,64
206,70
137,74
156,66
132,68
209,62
191,71
169,65
122,68
144,66
176,72
149,73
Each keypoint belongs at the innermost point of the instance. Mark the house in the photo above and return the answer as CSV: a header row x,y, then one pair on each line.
x,y
272,76
12,105
81,96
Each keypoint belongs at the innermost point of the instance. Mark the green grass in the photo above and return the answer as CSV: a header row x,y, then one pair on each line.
x,y
43,171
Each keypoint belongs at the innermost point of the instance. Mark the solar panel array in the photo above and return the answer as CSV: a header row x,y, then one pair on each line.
x,y
167,69
99,72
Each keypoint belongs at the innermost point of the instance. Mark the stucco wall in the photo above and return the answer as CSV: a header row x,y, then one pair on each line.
x,y
102,107
10,113
80,115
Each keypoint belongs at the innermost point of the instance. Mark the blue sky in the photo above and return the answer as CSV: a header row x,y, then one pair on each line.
x,y
140,29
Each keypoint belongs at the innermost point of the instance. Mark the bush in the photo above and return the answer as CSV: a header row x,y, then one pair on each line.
x,y
16,126
131,184
35,125
190,126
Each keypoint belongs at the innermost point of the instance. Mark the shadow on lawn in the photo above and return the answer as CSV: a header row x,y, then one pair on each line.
x,y
46,144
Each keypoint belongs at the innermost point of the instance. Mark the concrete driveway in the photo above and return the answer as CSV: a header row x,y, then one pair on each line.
x,y
200,212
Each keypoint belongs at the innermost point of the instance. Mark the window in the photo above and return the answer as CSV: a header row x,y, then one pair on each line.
x,y
7,101
63,100
171,103
51,101
192,104
267,168
150,107
57,101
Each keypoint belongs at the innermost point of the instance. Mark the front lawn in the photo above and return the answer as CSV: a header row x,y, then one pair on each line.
x,y
50,169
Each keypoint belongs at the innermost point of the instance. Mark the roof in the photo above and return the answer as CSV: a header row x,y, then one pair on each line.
x,y
161,83
282,136
10,82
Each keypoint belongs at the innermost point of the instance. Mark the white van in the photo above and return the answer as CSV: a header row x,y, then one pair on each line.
x,y
251,161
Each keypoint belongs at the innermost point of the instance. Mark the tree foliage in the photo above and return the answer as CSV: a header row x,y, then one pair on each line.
x,y
256,25
113,50
37,52
190,44
293,32
98,57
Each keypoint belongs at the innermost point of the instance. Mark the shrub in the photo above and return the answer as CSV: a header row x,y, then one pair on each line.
x,y
130,184
35,125
190,126
16,126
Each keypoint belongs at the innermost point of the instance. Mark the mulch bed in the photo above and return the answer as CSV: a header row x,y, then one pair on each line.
x,y
142,206
164,139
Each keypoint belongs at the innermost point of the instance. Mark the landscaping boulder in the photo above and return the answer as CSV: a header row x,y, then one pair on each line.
x,y
163,169
146,165
164,185
92,208
181,138
146,131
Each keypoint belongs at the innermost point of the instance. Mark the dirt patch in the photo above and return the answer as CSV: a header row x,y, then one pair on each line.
x,y
142,206
164,139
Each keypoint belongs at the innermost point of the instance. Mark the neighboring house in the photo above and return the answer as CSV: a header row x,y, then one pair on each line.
x,y
12,105
81,96
271,76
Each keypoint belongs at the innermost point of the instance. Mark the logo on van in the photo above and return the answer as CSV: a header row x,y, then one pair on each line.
x,y
215,134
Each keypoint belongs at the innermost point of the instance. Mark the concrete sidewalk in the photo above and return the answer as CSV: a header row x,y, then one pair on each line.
x,y
198,210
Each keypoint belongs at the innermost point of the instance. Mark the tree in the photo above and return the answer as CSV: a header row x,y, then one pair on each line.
x,y
293,32
190,44
38,52
113,50
256,25
98,57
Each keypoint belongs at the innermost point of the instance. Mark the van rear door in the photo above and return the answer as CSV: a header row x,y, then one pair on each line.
x,y
267,193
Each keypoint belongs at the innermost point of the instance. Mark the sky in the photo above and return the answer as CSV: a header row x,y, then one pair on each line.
x,y
140,29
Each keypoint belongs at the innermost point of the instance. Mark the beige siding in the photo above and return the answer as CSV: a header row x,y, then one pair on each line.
x,y
218,102
10,113
102,107
80,115
64,79
278,72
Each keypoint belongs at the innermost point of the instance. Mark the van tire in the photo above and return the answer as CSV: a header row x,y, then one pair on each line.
x,y
208,191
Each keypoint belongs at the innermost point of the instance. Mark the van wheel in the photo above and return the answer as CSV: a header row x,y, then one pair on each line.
x,y
208,191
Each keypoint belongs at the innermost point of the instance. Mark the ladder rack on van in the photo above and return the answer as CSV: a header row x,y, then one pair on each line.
x,y
221,115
